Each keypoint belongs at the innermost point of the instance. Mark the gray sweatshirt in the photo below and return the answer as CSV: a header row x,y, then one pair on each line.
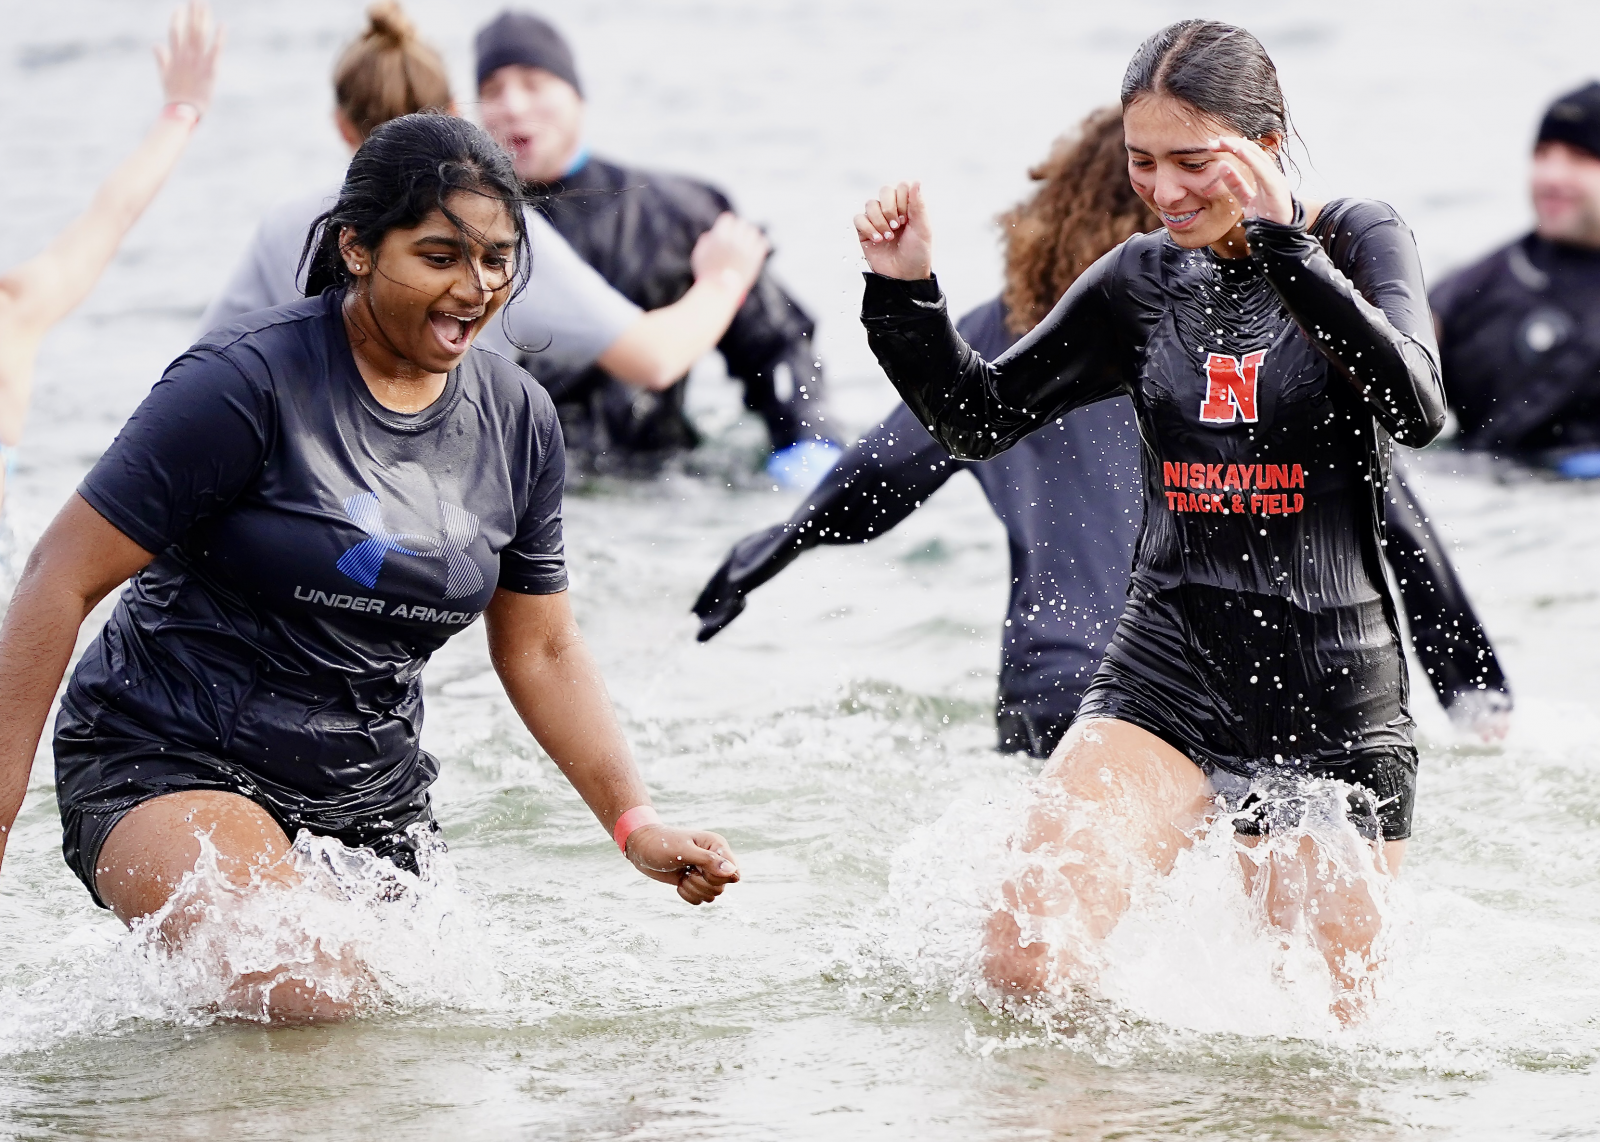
x,y
567,314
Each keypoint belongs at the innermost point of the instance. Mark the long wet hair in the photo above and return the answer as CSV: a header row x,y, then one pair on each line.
x,y
1085,207
406,169
1218,69
389,71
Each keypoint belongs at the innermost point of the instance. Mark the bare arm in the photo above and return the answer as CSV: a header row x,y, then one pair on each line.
x,y
78,561
663,344
556,688
43,290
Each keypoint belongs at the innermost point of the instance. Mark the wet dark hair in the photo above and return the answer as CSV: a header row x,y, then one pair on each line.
x,y
1218,69
406,169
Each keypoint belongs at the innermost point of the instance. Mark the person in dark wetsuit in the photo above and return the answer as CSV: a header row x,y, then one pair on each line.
x,y
639,228
1069,494
566,317
1519,331
1271,353
309,503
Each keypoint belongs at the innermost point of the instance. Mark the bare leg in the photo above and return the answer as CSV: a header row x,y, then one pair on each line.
x,y
156,845
1118,805
1307,887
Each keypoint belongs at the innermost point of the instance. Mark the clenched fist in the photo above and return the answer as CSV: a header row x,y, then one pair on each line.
x,y
896,238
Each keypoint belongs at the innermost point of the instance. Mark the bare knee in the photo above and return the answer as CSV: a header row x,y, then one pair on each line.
x,y
157,843
1008,965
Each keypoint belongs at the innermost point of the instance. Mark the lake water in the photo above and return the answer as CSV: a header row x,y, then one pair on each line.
x,y
840,733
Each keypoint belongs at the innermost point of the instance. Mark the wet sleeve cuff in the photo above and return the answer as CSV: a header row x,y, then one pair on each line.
x,y
532,576
122,518
890,301
1277,240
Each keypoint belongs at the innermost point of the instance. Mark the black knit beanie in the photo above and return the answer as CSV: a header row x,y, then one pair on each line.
x,y
1574,119
523,38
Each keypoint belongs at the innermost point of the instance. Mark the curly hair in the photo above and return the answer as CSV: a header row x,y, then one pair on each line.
x,y
1085,208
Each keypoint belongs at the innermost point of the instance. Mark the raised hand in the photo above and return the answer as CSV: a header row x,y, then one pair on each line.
x,y
188,60
1252,176
895,234
700,864
733,249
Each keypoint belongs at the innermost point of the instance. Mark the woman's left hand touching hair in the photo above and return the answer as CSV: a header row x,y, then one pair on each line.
x,y
1251,174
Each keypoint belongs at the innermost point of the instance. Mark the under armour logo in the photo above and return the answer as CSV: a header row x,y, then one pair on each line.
x,y
1231,388
462,576
364,561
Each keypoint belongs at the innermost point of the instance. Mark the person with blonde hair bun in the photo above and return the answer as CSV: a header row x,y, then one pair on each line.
x,y
567,318
386,72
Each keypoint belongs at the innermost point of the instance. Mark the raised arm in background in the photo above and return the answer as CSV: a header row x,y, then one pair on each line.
x,y
662,344
884,477
44,289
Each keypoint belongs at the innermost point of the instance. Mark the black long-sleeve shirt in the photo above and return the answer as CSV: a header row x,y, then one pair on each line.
x,y
1068,495
1266,390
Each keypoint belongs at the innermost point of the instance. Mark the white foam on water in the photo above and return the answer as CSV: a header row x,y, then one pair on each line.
x,y
352,927
1194,965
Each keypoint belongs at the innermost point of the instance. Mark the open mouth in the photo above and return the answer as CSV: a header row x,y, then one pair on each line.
x,y
454,333
1178,221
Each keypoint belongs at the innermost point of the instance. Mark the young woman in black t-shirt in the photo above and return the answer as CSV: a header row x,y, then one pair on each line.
x,y
1272,350
309,504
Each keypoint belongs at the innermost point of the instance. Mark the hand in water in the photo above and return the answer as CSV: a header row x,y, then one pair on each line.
x,y
1252,176
1485,713
734,249
895,234
188,60
699,863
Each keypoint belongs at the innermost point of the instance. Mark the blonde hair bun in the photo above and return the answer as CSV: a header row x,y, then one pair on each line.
x,y
387,20
389,71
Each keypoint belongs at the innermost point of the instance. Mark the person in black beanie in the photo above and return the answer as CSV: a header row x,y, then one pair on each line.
x,y
637,228
1519,331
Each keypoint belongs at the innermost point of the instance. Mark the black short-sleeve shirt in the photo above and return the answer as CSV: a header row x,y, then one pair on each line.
x,y
312,549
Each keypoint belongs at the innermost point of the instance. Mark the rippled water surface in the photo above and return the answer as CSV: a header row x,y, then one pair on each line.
x,y
840,732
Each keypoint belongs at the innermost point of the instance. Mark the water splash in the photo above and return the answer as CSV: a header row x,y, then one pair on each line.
x,y
1195,954
349,925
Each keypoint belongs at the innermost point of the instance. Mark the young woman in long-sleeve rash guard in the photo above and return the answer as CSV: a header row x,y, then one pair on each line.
x,y
1272,350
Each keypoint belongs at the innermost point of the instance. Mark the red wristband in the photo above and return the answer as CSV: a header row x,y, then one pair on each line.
x,y
183,111
631,820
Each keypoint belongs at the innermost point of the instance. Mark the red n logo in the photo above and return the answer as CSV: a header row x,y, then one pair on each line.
x,y
1231,388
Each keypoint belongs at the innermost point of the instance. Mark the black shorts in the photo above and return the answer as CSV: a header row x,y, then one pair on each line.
x,y
99,779
1260,693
